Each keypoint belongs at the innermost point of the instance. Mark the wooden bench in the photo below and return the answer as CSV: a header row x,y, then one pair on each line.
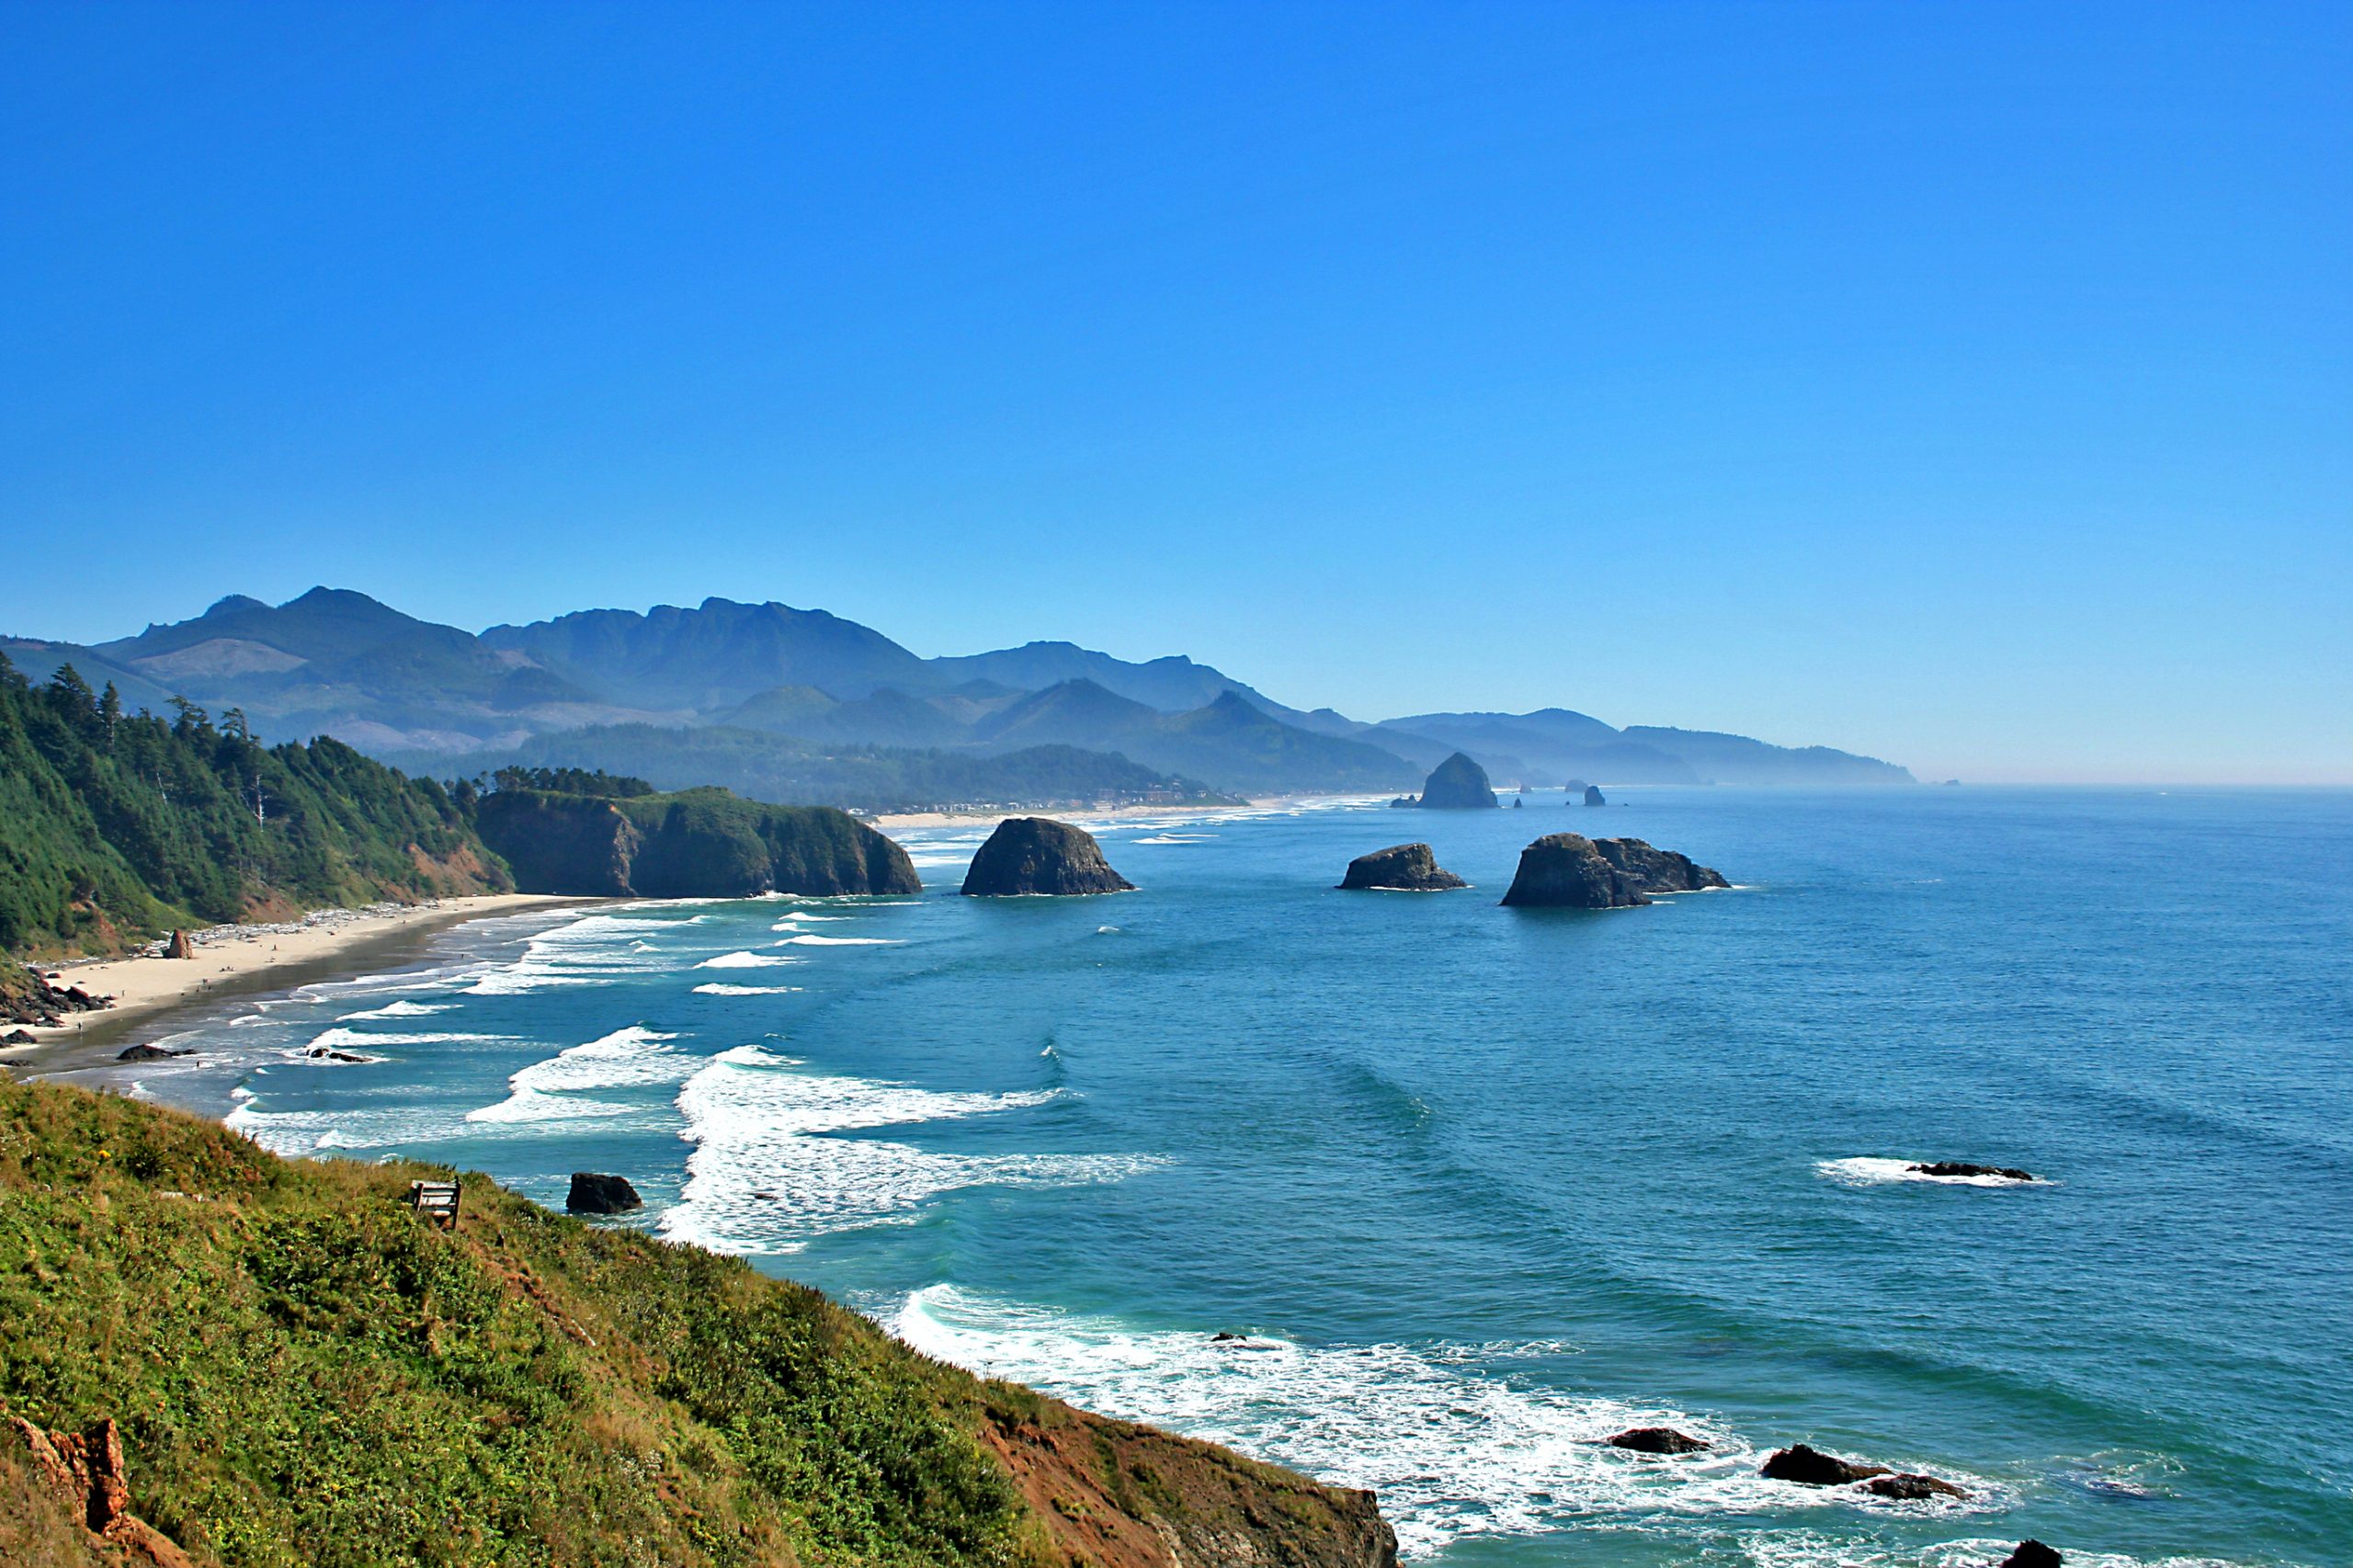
x,y
437,1200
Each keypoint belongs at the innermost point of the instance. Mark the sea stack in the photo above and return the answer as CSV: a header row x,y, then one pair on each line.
x,y
1035,854
1593,795
1568,870
595,1192
1456,784
1402,868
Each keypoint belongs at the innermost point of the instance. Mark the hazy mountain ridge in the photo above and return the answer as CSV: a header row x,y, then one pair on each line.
x,y
333,661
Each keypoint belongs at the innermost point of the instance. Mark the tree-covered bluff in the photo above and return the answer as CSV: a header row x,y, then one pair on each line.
x,y
567,832
303,1371
114,825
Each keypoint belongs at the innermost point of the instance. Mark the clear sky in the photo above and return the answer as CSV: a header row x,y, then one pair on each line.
x,y
1966,384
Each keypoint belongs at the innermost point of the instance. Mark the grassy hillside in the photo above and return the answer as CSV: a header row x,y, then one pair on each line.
x,y
114,825
305,1373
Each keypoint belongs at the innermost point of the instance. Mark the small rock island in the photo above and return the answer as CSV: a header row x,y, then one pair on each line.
x,y
1568,870
1593,795
1401,868
1029,856
1458,784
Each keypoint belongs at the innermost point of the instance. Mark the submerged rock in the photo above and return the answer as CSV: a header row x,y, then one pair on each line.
x,y
1593,795
1656,870
594,1193
2032,1553
1456,784
1964,1168
1812,1467
1036,854
1908,1487
1407,868
1659,1440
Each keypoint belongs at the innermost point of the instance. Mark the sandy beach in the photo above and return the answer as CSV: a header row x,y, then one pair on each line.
x,y
243,957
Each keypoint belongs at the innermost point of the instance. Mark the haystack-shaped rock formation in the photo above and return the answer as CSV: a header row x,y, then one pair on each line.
x,y
1401,868
1457,783
1035,855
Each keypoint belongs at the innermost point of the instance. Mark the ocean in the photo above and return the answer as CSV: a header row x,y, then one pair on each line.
x,y
1478,1186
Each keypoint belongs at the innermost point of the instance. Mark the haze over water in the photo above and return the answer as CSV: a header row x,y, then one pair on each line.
x,y
1482,1186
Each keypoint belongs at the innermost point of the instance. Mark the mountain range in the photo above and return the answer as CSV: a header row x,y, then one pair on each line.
x,y
783,690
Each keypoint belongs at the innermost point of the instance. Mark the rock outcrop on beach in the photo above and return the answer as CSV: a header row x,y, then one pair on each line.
x,y
28,998
585,1396
1568,870
1964,1168
693,843
148,1053
1402,868
1659,1440
1029,856
178,947
1593,795
1456,784
593,1192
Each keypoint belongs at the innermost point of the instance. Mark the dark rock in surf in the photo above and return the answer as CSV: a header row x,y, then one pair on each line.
x,y
2032,1553
1659,1440
1567,871
1035,855
1593,795
1964,1168
1908,1487
593,1193
1517,802
1458,784
1812,1467
19,1037
1656,870
149,1053
1402,868
329,1053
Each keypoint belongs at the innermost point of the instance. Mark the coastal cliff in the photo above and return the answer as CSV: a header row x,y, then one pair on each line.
x,y
299,1369
693,843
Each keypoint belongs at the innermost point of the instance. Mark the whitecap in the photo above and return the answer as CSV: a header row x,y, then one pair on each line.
x,y
807,941
403,1010
715,989
551,1090
746,960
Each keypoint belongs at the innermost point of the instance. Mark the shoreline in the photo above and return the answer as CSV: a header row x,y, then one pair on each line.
x,y
236,960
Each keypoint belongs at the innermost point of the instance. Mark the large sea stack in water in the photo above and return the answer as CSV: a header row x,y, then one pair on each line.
x,y
1568,870
1035,855
1402,868
1456,783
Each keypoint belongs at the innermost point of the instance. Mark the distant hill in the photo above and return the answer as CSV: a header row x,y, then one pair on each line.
x,y
338,662
114,828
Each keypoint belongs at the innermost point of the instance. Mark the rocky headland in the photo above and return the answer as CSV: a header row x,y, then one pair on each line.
x,y
694,844
1402,868
1568,870
1030,856
1458,784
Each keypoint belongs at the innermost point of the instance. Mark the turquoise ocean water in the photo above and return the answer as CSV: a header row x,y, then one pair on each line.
x,y
1482,1186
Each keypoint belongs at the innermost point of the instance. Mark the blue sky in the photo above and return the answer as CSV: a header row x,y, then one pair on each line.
x,y
1966,384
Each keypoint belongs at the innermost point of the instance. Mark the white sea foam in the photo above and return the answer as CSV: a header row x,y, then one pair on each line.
x,y
401,1010
806,941
1867,1171
293,1132
764,1178
552,1090
341,1038
1174,838
716,989
746,961
1454,1448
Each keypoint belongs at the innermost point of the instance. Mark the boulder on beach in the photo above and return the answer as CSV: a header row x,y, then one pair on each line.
x,y
1036,854
594,1192
1964,1168
149,1053
179,947
1401,868
1593,795
2032,1553
19,1037
1457,784
1658,1440
1810,1466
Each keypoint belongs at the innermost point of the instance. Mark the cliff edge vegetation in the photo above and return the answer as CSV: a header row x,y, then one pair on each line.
x,y
302,1371
115,827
